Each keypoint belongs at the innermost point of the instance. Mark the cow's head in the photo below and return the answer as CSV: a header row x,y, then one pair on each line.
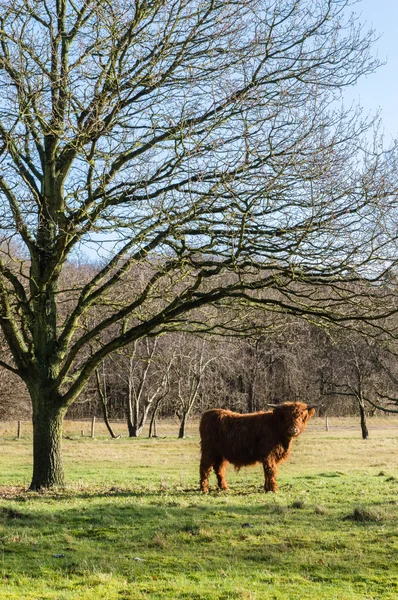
x,y
293,417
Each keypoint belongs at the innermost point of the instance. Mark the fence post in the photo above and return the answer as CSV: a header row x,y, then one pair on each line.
x,y
19,430
93,427
327,423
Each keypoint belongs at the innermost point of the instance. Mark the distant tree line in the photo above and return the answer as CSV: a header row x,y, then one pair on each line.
x,y
344,370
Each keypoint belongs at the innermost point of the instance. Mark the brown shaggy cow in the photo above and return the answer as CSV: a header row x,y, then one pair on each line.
x,y
266,437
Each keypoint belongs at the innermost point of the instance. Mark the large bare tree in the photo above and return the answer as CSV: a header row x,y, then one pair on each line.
x,y
201,147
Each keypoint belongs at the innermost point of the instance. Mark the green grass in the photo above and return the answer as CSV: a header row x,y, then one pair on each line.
x,y
132,525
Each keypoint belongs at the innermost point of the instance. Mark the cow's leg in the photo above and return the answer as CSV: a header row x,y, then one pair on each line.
x,y
219,469
205,468
269,476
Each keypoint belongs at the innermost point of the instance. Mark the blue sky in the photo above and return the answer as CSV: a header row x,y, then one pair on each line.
x,y
380,90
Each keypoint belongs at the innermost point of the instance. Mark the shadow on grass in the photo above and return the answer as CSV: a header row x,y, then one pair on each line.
x,y
245,538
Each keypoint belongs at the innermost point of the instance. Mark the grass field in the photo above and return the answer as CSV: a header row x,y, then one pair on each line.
x,y
132,524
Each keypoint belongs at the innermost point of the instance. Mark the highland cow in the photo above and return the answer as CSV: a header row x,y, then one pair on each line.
x,y
261,437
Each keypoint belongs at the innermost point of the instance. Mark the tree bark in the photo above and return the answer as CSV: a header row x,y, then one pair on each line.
x,y
102,395
135,430
48,468
106,421
250,397
152,425
129,414
134,426
135,422
183,423
364,428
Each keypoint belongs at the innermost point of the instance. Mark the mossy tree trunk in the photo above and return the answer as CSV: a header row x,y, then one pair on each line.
x,y
48,415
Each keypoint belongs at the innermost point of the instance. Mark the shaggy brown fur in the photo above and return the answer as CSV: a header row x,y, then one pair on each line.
x,y
266,437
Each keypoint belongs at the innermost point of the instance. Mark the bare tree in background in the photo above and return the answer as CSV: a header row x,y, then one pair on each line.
x,y
200,148
352,371
191,362
375,366
144,371
102,391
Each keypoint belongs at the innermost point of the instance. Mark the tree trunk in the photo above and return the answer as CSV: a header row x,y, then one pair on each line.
x,y
129,415
130,425
135,430
48,469
106,421
102,395
134,423
250,398
364,429
152,423
183,423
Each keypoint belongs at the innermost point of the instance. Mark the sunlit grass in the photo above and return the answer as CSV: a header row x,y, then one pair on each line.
x,y
132,524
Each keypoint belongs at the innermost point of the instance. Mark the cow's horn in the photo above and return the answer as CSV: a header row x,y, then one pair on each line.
x,y
313,406
272,405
